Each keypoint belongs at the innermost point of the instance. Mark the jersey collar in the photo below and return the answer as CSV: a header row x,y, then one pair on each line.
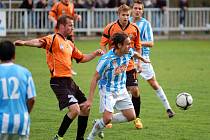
x,y
61,35
118,22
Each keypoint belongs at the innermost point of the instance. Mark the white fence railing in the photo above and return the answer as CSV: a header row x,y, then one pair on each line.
x,y
24,21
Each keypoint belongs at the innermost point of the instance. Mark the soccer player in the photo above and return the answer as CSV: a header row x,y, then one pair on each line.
x,y
146,35
17,96
59,52
64,7
123,24
111,78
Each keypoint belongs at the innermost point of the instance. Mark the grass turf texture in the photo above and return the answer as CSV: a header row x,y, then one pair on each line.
x,y
180,65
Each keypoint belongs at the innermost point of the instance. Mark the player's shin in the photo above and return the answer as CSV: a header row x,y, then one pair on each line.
x,y
82,125
98,127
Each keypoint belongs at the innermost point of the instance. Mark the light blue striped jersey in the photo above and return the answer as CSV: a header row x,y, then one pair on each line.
x,y
146,34
112,69
16,86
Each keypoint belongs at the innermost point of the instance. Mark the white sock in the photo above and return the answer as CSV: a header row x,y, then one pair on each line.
x,y
98,127
160,93
118,118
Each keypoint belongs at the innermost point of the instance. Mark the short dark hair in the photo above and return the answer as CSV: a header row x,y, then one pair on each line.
x,y
63,20
118,38
7,50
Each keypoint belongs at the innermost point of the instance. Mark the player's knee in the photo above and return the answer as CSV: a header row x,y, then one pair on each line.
x,y
107,120
155,85
84,111
131,116
74,112
135,91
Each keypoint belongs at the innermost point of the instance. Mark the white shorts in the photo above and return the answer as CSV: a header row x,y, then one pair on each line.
x,y
13,137
147,71
111,100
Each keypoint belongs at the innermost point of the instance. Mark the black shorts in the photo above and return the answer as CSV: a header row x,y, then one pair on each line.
x,y
66,91
132,79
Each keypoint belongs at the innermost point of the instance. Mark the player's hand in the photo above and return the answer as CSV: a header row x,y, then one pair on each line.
x,y
19,43
146,61
99,52
79,18
139,68
86,105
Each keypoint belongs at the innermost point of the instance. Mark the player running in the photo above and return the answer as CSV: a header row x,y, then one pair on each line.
x,y
146,36
124,25
111,78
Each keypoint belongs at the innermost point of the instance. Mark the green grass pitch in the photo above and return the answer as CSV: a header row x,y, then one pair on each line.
x,y
180,65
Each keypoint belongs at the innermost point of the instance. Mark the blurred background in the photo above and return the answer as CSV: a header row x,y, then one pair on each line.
x,y
169,18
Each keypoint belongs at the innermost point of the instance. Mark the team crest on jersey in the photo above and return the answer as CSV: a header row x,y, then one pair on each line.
x,y
61,47
120,69
130,36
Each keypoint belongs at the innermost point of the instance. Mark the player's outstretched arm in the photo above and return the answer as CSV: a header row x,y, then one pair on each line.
x,y
104,48
89,57
93,85
138,56
30,43
147,43
51,18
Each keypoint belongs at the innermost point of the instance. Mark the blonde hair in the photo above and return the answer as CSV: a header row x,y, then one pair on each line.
x,y
123,8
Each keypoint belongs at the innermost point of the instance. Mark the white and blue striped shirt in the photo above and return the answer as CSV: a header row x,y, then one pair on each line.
x,y
16,86
146,34
112,69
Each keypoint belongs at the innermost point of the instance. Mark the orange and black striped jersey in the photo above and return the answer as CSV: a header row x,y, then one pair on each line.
x,y
59,52
132,31
60,9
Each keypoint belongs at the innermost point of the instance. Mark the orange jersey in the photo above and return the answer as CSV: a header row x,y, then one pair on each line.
x,y
59,52
59,9
132,31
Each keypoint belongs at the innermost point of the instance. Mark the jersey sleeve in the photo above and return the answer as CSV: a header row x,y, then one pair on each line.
x,y
76,53
106,36
46,40
137,41
149,32
101,67
53,11
31,91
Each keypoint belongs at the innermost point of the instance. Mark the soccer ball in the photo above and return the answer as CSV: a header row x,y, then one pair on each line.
x,y
184,100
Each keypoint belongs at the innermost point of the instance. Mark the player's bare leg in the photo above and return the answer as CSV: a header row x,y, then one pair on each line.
x,y
161,94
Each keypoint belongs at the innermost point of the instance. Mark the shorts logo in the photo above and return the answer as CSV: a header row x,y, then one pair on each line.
x,y
72,99
135,81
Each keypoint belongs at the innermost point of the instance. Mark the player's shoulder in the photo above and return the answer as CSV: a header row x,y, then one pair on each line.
x,y
20,68
134,25
111,24
108,56
145,20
